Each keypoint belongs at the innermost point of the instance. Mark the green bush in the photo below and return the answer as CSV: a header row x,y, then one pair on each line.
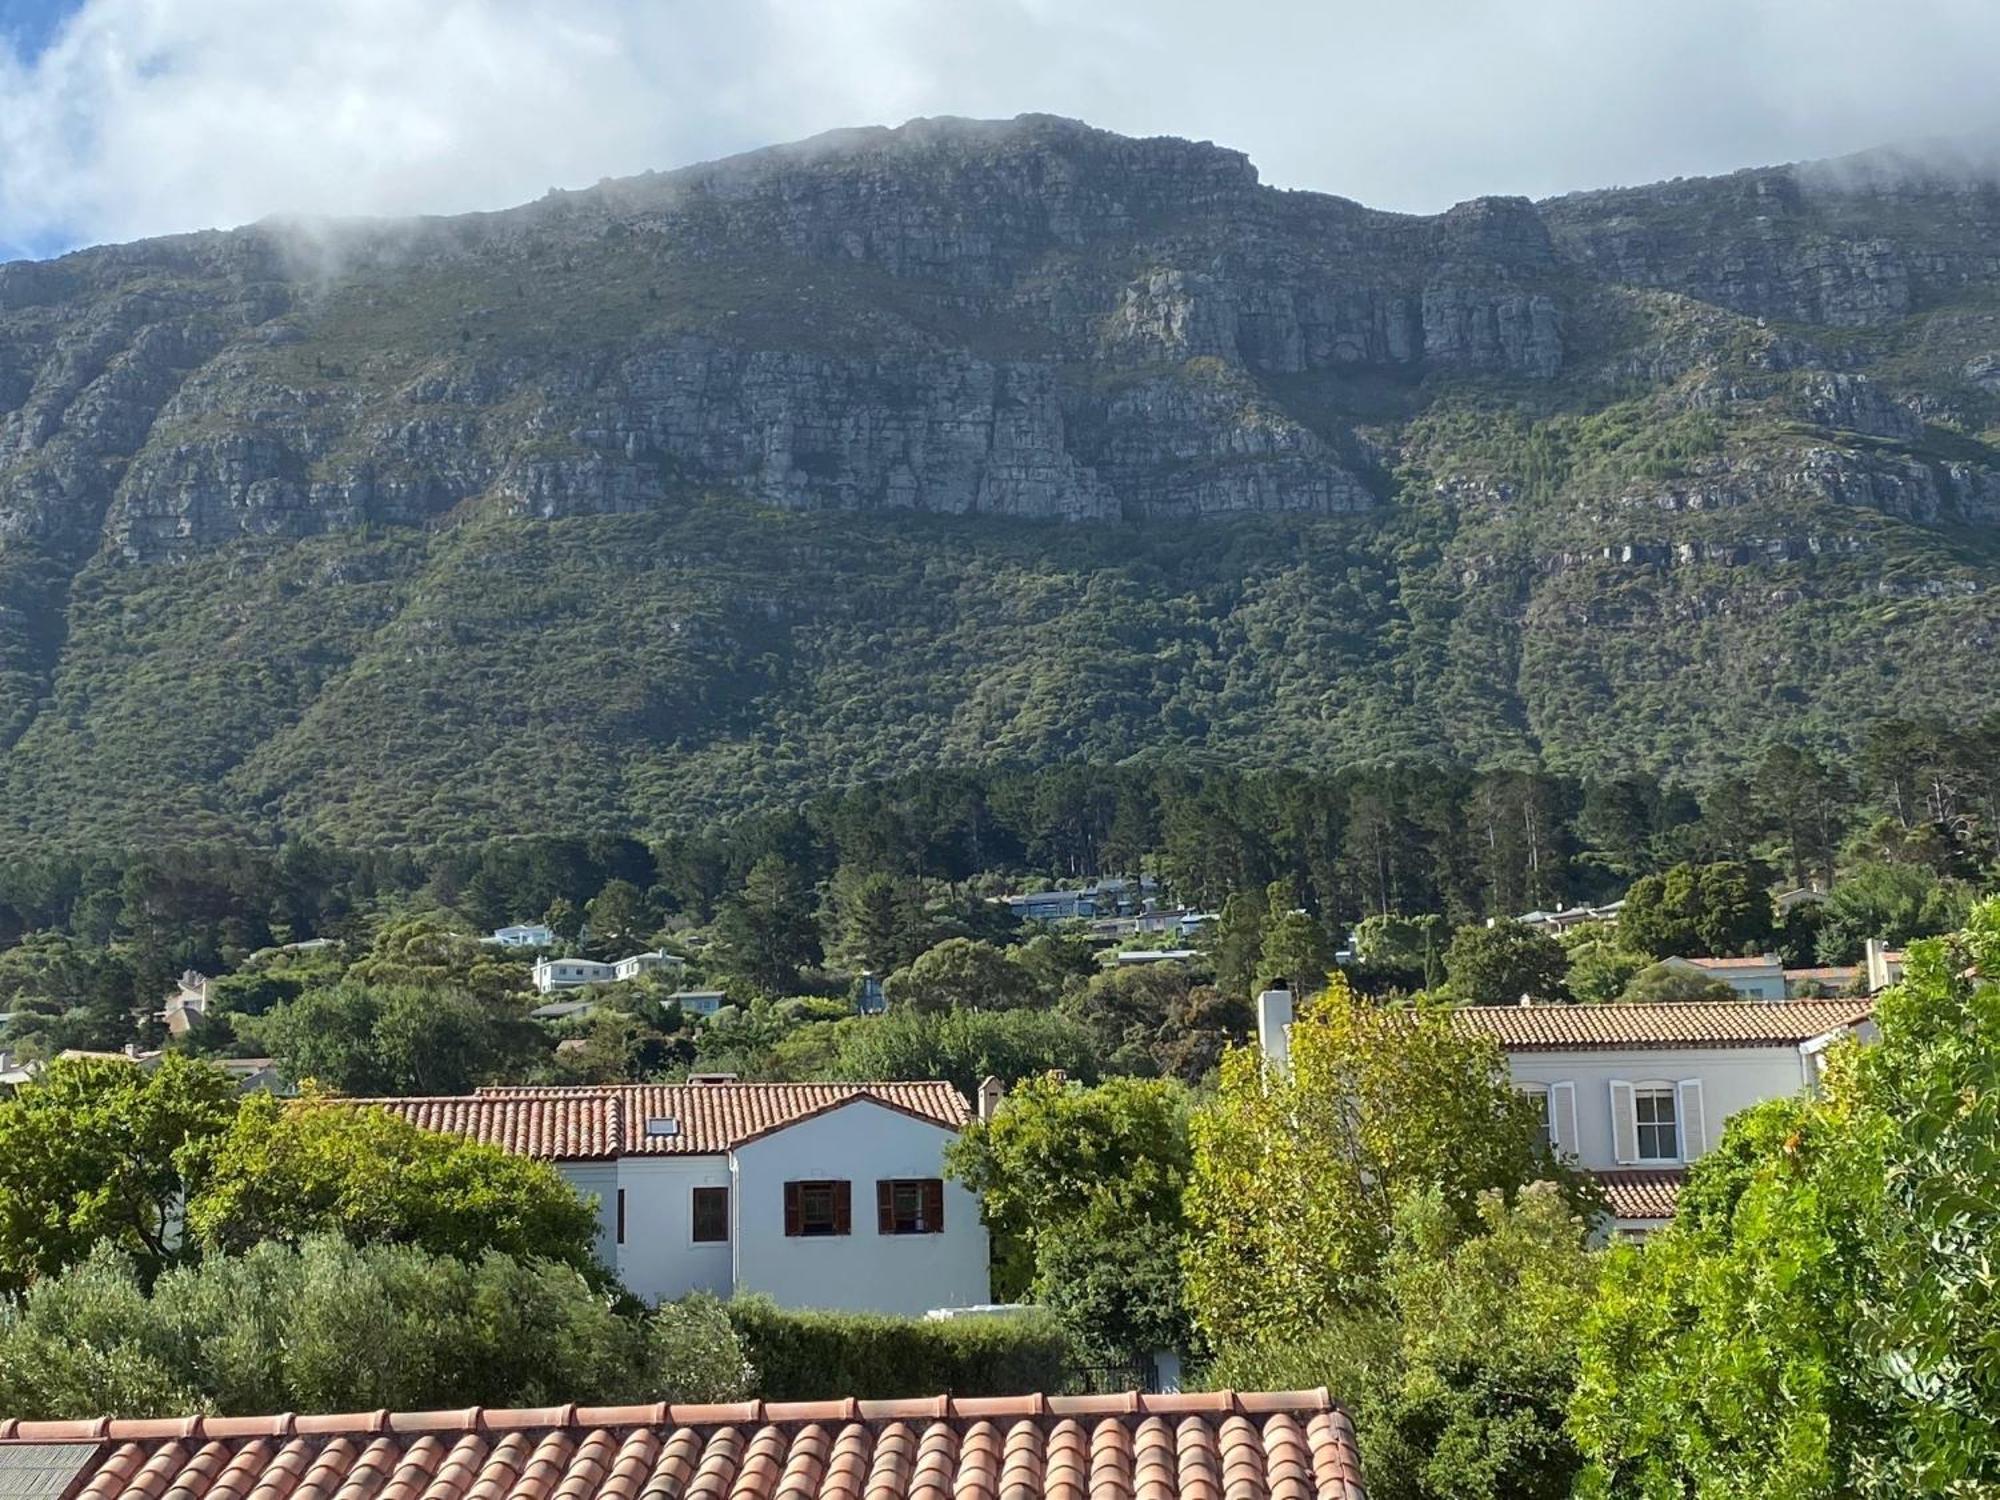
x,y
329,1326
810,1355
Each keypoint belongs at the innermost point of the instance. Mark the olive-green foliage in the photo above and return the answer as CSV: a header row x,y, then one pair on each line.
x,y
353,1038
328,1326
288,1170
1820,1318
1460,1380
1599,967
1892,902
961,1047
1297,1174
1498,965
1086,1183
1715,911
99,1151
1664,982
805,1355
961,974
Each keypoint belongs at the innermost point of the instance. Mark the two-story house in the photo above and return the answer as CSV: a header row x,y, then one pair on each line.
x,y
522,935
1635,1092
816,1195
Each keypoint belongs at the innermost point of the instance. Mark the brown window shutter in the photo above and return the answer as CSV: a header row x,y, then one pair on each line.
x,y
934,1205
795,1218
843,1207
885,1206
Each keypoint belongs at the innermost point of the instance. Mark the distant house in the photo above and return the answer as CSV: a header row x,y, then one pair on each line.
x,y
552,974
1635,1092
1759,978
700,1002
1884,965
251,1074
869,999
1828,979
817,1195
562,1010
187,1004
645,963
1112,897
522,935
1139,956
1568,918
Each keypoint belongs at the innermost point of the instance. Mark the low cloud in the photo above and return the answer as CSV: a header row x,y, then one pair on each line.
x,y
150,116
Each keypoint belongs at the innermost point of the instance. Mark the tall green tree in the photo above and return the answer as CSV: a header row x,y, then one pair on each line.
x,y
766,930
99,1151
1297,1172
1498,965
1084,1185
961,974
1698,911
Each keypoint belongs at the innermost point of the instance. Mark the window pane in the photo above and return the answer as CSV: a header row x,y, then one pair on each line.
x,y
711,1215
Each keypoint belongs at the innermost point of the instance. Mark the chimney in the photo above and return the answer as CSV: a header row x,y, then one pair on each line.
x,y
1274,1024
990,1094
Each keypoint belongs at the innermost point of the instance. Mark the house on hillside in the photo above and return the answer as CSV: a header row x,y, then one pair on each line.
x,y
703,1003
188,1003
1883,964
1759,978
816,1195
522,935
552,974
1634,1093
625,969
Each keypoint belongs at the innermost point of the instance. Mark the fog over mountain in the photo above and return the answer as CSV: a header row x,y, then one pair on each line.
x,y
122,118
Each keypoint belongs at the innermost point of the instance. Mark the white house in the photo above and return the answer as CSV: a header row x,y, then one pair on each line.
x,y
816,1195
522,935
1635,1092
552,974
1759,978
645,963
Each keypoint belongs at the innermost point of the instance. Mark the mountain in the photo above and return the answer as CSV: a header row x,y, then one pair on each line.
x,y
974,442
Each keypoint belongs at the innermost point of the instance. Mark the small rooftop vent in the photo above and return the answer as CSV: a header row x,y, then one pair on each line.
x,y
711,1078
664,1125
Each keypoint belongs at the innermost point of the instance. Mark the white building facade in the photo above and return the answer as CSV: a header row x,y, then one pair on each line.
x,y
1634,1093
815,1195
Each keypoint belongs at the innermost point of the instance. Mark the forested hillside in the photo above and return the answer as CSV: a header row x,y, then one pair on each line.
x,y
981,445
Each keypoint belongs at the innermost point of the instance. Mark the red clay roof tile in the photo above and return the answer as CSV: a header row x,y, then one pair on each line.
x,y
1694,1023
1210,1446
1642,1194
597,1122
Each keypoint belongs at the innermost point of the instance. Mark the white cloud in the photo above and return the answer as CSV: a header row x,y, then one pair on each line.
x,y
147,116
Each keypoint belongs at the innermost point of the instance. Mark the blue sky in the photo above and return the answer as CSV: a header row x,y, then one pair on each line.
x,y
125,118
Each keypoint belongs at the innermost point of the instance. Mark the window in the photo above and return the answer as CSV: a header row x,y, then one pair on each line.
x,y
909,1205
1540,1099
711,1215
818,1209
621,1216
1653,1109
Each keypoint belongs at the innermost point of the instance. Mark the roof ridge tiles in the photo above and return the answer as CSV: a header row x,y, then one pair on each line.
x,y
582,1419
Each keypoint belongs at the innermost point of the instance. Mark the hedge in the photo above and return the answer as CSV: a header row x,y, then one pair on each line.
x,y
812,1356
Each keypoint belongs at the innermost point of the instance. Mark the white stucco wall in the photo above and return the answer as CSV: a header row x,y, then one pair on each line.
x,y
599,1180
1731,1079
864,1270
659,1259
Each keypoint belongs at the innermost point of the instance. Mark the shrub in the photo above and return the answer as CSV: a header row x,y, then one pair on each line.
x,y
813,1355
329,1326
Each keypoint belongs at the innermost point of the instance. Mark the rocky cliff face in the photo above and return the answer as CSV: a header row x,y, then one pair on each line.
x,y
1654,405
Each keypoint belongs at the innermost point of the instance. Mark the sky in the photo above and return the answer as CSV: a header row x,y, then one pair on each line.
x,y
125,118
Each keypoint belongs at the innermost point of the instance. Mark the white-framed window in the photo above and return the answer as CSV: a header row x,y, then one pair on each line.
x,y
1539,1098
1658,1130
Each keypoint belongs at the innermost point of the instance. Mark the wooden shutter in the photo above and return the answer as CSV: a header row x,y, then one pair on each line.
x,y
1624,1125
885,1206
934,1205
1562,1118
1693,1126
795,1214
843,1207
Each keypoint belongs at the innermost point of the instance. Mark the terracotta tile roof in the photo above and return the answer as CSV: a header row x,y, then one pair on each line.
x,y
593,1123
1693,1023
1834,974
1289,1446
1760,961
1641,1194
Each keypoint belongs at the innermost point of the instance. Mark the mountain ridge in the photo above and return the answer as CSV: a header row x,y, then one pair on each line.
x,y
1531,470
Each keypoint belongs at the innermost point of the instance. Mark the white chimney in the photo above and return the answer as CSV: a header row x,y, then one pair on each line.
x,y
990,1094
1274,1025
